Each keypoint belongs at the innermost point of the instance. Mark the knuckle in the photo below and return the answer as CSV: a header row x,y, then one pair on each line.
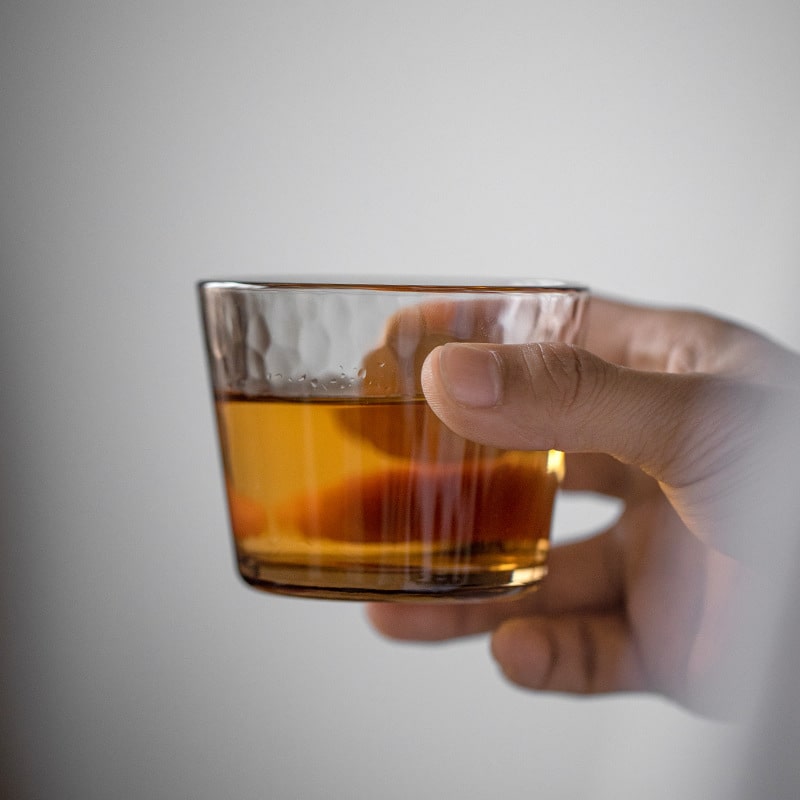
x,y
695,341
571,376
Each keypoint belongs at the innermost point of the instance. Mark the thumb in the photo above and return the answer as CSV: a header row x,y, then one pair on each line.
x,y
557,396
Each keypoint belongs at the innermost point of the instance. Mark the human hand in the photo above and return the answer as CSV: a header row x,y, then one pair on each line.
x,y
681,416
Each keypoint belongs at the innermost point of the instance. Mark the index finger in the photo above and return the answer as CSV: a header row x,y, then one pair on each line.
x,y
513,316
683,341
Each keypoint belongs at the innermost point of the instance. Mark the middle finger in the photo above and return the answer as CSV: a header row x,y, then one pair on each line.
x,y
583,576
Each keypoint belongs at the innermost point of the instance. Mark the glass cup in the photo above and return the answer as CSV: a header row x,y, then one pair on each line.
x,y
341,482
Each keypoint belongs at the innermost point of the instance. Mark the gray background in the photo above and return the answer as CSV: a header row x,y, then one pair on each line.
x,y
647,149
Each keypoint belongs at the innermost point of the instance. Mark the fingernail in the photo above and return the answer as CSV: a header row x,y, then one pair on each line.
x,y
471,375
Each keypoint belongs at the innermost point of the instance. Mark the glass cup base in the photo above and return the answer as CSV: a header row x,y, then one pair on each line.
x,y
399,584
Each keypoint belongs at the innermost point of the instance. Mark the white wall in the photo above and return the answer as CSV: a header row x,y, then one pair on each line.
x,y
647,149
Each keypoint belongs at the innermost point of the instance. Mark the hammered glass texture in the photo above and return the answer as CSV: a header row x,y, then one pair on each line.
x,y
302,341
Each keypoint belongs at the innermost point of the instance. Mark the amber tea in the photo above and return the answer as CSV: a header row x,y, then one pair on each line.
x,y
377,498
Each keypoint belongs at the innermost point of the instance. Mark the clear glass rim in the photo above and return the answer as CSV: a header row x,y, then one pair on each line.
x,y
394,283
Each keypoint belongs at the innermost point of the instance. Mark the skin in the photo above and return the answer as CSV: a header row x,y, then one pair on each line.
x,y
683,417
